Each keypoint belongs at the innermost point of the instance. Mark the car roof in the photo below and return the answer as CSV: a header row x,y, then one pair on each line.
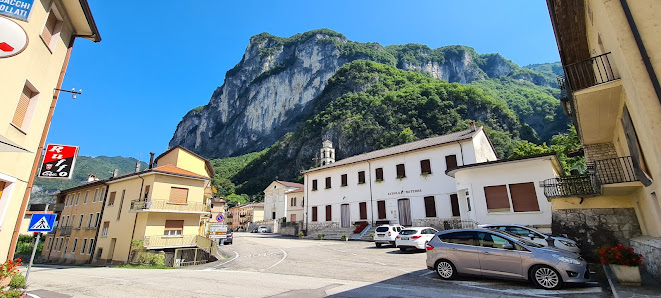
x,y
504,225
418,228
389,226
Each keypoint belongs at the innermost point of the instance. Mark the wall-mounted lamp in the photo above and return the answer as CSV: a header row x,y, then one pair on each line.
x,y
72,91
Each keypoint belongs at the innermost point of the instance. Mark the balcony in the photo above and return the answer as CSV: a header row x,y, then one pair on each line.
x,y
157,242
592,72
572,186
166,206
56,207
65,230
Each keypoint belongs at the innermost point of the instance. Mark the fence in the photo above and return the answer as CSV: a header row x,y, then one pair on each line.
x,y
166,205
591,72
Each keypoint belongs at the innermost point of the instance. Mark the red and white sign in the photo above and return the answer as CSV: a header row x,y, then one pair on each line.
x,y
13,39
58,161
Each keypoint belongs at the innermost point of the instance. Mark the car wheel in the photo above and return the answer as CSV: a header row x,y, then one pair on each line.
x,y
545,277
402,249
378,245
445,269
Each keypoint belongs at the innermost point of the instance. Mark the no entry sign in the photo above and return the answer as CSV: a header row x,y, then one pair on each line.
x,y
58,162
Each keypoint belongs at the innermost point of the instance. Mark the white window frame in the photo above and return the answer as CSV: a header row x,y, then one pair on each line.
x,y
84,247
89,220
74,244
87,194
96,192
91,246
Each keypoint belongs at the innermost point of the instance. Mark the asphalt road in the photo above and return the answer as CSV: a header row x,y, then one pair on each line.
x,y
265,265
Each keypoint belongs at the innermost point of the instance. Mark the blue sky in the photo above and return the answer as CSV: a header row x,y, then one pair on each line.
x,y
156,62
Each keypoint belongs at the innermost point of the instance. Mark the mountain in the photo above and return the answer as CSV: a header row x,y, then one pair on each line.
x,y
277,84
101,166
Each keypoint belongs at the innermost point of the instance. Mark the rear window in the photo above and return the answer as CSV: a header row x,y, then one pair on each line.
x,y
408,232
382,229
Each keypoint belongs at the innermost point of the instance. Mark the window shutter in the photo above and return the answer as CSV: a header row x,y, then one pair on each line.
x,y
454,202
401,171
524,197
425,166
344,179
314,184
363,210
174,225
49,28
178,195
111,200
381,205
22,107
451,162
314,213
328,182
379,174
497,199
430,206
361,177
328,213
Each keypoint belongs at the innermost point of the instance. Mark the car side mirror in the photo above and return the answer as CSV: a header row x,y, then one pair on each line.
x,y
508,246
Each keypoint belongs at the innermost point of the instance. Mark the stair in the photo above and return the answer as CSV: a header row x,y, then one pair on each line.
x,y
362,234
366,236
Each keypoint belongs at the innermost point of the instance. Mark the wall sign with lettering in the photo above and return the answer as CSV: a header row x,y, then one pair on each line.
x,y
18,9
58,162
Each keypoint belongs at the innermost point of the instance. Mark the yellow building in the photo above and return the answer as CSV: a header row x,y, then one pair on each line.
x,y
611,54
34,59
163,207
240,217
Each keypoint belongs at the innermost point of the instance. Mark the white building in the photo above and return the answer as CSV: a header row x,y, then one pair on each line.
x,y
507,191
405,184
283,199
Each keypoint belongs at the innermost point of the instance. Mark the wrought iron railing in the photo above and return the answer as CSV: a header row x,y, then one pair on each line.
x,y
56,207
615,170
137,205
594,71
572,186
65,231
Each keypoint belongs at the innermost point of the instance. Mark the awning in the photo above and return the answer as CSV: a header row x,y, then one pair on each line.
x,y
8,146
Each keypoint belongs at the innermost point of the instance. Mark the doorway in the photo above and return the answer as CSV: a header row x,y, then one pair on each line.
x,y
113,241
293,218
346,219
404,212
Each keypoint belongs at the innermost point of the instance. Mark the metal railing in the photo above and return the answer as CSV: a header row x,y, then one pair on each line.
x,y
139,204
65,231
56,207
169,241
594,71
572,186
615,170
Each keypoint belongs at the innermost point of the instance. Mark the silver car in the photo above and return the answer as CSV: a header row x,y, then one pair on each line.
x,y
537,236
495,254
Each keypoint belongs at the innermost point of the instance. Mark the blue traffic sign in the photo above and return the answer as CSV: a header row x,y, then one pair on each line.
x,y
41,222
220,218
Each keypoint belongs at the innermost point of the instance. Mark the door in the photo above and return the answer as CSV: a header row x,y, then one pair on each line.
x,y
495,260
293,218
113,241
405,212
345,216
462,251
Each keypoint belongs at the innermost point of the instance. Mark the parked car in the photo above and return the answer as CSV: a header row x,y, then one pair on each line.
x,y
386,234
537,236
415,238
494,253
263,229
230,238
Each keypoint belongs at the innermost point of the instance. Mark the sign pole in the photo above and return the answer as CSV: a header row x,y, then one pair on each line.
x,y
34,250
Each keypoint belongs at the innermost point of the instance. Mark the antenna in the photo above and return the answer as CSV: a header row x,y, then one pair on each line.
x,y
72,91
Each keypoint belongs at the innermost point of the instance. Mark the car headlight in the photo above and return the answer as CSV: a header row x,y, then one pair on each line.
x,y
568,243
567,260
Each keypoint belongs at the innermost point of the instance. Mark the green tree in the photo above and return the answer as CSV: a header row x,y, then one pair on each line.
x,y
564,143
525,148
235,200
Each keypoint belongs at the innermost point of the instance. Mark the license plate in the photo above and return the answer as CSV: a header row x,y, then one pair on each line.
x,y
405,238
380,235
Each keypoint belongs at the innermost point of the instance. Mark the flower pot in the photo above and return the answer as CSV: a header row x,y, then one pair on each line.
x,y
626,275
4,281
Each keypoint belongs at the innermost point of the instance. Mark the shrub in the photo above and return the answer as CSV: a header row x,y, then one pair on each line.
x,y
10,268
300,234
344,236
320,236
11,294
619,255
152,259
17,281
23,248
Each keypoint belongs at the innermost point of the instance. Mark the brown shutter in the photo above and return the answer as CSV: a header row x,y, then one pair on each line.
x,y
425,166
111,200
328,182
497,199
328,213
381,205
379,174
314,213
361,177
178,195
430,206
639,164
174,225
451,162
454,202
401,171
314,184
344,180
363,210
22,107
524,197
49,28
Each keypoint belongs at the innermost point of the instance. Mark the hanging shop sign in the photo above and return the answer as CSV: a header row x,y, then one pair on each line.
x,y
59,161
18,9
13,39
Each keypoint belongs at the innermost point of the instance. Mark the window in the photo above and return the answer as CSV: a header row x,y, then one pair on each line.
x,y
48,246
379,174
497,199
524,197
363,210
25,107
468,202
451,162
344,180
491,241
425,166
381,206
103,193
178,195
104,231
87,194
80,221
361,177
121,204
464,238
293,202
328,182
66,222
430,206
401,171
111,200
314,184
314,213
77,198
454,203
174,228
82,248
52,28
328,213
96,219
99,252
73,247
89,220
91,248
96,192
73,220
60,242
147,189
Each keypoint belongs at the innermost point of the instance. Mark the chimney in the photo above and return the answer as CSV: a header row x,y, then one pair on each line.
x,y
151,159
137,166
92,178
115,173
473,128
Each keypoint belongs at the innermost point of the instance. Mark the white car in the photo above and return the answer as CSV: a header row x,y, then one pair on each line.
x,y
536,236
386,234
416,238
263,229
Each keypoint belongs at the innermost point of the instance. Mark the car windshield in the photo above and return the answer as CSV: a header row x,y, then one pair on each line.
x,y
408,232
520,239
382,229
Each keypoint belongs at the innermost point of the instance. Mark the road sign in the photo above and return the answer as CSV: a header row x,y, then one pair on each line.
x,y
13,39
217,231
58,162
41,222
220,217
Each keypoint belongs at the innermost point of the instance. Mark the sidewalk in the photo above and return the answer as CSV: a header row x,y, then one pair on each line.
x,y
649,288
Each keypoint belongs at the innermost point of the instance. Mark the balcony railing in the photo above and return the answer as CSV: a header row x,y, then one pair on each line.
x,y
152,242
615,170
594,71
65,231
56,207
572,186
165,205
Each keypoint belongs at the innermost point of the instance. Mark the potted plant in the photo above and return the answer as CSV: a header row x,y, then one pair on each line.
x,y
345,237
300,235
371,236
320,236
8,270
623,261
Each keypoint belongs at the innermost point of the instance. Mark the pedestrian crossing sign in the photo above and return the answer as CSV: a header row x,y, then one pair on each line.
x,y
41,222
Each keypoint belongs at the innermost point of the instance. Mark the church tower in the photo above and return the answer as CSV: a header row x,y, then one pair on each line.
x,y
327,153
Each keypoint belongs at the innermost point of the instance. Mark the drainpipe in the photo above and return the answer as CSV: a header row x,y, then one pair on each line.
x,y
305,182
135,219
369,168
461,148
98,227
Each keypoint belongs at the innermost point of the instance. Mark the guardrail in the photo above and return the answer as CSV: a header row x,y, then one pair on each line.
x,y
594,71
198,207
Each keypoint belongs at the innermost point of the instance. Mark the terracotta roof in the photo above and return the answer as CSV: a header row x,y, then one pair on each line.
x,y
290,184
206,161
300,189
430,142
176,170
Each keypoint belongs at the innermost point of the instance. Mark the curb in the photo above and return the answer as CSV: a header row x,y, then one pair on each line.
x,y
611,283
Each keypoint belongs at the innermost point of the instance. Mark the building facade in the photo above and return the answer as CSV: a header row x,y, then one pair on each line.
x,y
240,217
35,56
283,199
405,184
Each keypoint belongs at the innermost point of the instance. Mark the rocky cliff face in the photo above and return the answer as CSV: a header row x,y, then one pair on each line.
x,y
266,94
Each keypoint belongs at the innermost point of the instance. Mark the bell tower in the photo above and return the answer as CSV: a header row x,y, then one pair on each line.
x,y
327,153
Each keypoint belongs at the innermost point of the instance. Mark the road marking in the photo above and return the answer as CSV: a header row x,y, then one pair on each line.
x,y
32,295
221,264
283,258
382,264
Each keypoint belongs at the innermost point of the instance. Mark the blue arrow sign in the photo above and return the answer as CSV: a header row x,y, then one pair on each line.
x,y
219,218
41,222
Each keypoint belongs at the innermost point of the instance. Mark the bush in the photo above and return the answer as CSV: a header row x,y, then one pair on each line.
x,y
12,294
300,234
320,236
152,259
23,248
17,281
619,255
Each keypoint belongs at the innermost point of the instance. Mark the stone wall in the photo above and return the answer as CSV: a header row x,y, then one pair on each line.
x,y
290,228
443,224
650,248
271,224
592,228
599,151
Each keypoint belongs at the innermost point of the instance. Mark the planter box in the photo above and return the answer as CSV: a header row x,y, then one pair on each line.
x,y
626,275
